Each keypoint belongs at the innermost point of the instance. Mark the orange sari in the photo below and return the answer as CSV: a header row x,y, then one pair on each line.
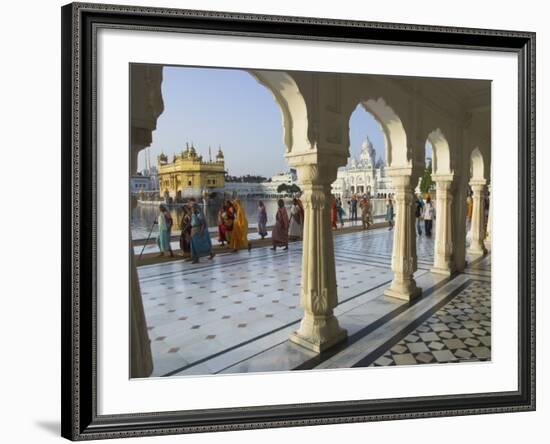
x,y
239,235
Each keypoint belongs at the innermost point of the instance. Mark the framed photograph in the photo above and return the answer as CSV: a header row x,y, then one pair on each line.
x,y
282,221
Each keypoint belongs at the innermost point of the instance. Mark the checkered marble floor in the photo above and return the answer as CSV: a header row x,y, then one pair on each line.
x,y
235,313
460,331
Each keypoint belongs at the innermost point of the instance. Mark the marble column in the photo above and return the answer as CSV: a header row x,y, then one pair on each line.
x,y
403,261
459,222
489,228
319,328
141,360
478,217
146,107
443,248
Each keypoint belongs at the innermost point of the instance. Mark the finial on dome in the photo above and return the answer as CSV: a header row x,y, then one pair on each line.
x,y
219,155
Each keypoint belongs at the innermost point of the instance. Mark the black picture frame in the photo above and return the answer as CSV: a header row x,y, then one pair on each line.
x,y
79,396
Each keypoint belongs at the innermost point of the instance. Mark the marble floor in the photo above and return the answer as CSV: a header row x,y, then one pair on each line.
x,y
235,313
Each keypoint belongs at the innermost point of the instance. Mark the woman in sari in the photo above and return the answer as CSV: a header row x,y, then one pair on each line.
x,y
163,239
296,220
366,216
226,217
239,236
185,236
333,214
280,230
262,219
201,245
389,213
340,211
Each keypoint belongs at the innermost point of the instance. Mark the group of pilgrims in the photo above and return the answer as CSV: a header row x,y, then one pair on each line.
x,y
195,241
365,205
233,224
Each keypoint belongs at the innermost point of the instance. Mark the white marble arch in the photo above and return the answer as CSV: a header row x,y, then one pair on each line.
x,y
477,165
290,101
395,137
441,153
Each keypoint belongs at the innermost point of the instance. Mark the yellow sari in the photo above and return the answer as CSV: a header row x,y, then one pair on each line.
x,y
239,235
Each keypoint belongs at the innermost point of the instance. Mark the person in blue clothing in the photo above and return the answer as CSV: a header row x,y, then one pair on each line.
x,y
354,202
201,245
418,213
340,211
164,221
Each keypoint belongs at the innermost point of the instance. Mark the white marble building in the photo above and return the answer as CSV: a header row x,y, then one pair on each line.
x,y
139,183
361,176
268,188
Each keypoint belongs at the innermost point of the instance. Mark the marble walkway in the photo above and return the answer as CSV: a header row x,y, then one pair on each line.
x,y
235,313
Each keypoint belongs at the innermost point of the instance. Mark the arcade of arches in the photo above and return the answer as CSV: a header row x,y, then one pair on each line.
x,y
453,115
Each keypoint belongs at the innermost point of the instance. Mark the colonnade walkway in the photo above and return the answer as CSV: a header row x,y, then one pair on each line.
x,y
234,314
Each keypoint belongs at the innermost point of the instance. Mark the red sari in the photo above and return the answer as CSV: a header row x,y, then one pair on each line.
x,y
333,214
280,230
225,224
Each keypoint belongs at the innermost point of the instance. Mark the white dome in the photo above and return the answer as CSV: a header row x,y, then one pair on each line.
x,y
367,156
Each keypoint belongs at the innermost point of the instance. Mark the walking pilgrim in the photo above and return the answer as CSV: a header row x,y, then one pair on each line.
x,y
262,220
239,235
280,230
296,220
164,221
185,236
201,245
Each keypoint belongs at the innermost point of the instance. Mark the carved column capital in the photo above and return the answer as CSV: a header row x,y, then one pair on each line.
x,y
315,174
478,184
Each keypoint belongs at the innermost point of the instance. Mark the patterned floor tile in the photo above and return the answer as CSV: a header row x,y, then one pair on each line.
x,y
449,335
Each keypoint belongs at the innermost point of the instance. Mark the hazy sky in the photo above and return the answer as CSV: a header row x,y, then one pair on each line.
x,y
212,107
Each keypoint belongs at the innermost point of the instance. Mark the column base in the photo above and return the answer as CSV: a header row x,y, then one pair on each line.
x,y
477,251
318,334
487,244
442,270
406,292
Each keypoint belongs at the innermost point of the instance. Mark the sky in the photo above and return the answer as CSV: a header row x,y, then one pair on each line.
x,y
229,108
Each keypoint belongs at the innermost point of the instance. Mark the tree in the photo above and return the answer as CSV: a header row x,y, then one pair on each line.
x,y
426,183
294,189
283,188
288,189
